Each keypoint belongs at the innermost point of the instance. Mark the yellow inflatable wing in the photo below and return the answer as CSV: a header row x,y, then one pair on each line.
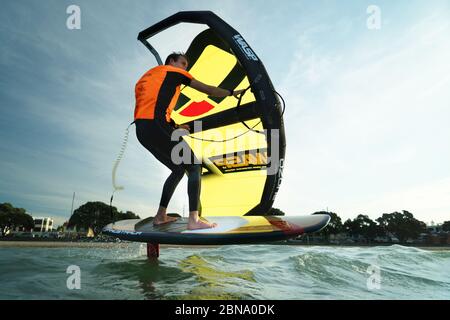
x,y
241,143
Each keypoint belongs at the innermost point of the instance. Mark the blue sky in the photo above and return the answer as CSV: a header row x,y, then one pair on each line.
x,y
367,110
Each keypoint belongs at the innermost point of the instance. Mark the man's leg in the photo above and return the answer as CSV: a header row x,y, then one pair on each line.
x,y
194,185
169,188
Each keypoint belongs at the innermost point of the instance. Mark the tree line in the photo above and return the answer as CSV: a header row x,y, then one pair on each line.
x,y
96,215
403,225
11,218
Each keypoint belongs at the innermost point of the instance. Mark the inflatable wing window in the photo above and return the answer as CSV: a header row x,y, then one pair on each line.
x,y
241,143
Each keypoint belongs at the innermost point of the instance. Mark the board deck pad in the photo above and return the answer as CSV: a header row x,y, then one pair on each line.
x,y
230,229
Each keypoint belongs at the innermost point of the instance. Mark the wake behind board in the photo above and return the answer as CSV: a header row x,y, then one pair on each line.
x,y
230,230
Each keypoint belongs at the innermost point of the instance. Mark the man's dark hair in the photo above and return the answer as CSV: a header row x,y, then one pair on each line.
x,y
175,56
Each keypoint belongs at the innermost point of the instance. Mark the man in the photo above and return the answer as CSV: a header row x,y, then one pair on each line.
x,y
157,93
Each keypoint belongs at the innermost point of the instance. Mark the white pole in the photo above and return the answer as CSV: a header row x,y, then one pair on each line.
x,y
73,199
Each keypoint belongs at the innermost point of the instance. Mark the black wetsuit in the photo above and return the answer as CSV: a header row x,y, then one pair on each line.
x,y
156,95
155,136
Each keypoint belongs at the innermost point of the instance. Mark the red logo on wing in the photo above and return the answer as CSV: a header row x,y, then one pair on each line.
x,y
196,109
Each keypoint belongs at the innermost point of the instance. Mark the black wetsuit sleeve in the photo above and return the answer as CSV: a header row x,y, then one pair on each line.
x,y
185,80
167,91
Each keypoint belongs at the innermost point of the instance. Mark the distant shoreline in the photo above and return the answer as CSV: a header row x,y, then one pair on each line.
x,y
74,244
59,244
110,245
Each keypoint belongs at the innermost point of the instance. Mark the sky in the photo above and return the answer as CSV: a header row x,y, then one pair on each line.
x,y
367,114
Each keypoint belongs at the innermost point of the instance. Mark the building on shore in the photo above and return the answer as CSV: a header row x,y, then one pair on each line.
x,y
43,224
75,231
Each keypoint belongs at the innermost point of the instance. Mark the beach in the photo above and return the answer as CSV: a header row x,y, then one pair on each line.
x,y
110,245
66,244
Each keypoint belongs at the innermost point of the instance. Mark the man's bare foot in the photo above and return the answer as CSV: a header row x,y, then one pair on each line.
x,y
200,224
163,219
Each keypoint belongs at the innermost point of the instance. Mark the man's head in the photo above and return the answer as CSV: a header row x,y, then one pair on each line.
x,y
177,59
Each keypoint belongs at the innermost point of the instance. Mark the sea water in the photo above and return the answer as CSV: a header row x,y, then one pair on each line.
x,y
251,272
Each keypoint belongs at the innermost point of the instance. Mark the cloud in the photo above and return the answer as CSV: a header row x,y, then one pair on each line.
x,y
366,114
366,132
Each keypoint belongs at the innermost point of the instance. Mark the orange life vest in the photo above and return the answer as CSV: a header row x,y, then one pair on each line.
x,y
158,90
